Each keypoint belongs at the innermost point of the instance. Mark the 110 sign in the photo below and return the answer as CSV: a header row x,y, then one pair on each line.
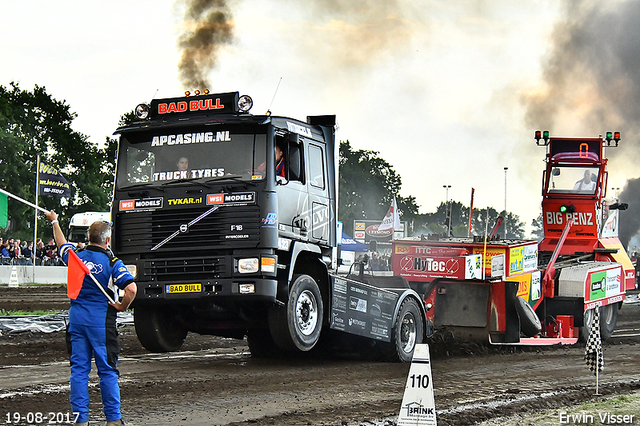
x,y
419,381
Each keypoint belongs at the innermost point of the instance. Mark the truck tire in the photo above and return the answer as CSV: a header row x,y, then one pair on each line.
x,y
261,344
608,320
529,322
297,325
407,332
157,328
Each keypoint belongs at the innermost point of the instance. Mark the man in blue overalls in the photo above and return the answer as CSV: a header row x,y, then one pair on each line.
x,y
92,321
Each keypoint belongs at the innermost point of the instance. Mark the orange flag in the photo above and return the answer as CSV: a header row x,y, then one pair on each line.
x,y
76,272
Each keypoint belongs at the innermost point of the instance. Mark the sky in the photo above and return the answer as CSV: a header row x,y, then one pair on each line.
x,y
448,92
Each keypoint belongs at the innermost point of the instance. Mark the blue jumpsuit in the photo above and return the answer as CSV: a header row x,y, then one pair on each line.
x,y
92,331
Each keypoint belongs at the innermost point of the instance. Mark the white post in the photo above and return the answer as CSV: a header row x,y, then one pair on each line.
x,y
35,217
598,355
505,202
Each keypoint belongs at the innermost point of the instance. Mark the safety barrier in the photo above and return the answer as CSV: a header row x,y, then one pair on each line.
x,y
32,274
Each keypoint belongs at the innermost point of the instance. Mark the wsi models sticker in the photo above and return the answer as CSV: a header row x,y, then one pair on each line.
x,y
144,204
237,198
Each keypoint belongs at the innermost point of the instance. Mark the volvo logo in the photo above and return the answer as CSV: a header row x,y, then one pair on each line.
x,y
184,228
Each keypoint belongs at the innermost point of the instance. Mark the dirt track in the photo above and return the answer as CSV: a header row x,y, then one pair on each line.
x,y
215,381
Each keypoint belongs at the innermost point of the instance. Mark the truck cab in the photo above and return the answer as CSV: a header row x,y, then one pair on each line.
x,y
581,232
218,239
79,225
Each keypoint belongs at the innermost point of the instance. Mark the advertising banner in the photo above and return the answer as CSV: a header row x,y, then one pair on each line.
x,y
604,284
416,267
365,231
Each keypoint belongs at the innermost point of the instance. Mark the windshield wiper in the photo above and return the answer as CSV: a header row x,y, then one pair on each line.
x,y
183,180
171,182
235,178
140,188
135,186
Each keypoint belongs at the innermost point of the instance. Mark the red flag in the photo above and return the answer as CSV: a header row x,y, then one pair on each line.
x,y
76,272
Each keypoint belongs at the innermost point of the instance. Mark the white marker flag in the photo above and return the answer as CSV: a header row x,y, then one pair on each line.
x,y
418,405
392,219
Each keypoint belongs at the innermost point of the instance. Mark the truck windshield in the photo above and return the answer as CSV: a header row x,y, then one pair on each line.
x,y
573,180
166,156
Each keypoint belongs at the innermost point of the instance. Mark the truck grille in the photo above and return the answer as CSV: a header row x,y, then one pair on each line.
x,y
191,268
139,232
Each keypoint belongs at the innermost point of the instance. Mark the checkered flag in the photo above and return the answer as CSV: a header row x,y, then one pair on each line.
x,y
593,351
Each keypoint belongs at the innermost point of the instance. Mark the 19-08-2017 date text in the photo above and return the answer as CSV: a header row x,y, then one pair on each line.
x,y
40,418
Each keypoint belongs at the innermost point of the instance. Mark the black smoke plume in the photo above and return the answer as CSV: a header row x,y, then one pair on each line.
x,y
209,26
592,85
629,219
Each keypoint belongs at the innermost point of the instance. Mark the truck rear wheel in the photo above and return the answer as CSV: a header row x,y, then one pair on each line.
x,y
408,331
297,325
157,328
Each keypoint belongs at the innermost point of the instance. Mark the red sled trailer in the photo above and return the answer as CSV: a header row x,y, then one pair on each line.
x,y
506,291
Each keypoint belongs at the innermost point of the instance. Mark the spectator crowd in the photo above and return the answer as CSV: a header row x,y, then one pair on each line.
x,y
16,252
376,261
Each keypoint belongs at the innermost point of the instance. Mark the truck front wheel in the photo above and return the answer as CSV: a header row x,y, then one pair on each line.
x,y
157,328
297,325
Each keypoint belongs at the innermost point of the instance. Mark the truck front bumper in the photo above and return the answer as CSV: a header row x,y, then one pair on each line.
x,y
228,290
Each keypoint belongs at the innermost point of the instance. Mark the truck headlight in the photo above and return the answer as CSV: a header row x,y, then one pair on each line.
x,y
248,266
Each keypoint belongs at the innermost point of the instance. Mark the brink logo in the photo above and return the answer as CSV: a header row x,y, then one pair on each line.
x,y
417,409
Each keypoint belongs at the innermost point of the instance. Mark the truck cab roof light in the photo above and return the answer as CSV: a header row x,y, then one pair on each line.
x,y
245,103
612,139
542,138
142,111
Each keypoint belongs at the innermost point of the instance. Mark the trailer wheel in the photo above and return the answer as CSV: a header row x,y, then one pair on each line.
x,y
297,325
608,320
407,332
157,329
529,322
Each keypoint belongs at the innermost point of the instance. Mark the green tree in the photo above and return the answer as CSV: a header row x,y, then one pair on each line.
x,y
32,123
436,222
367,186
538,228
